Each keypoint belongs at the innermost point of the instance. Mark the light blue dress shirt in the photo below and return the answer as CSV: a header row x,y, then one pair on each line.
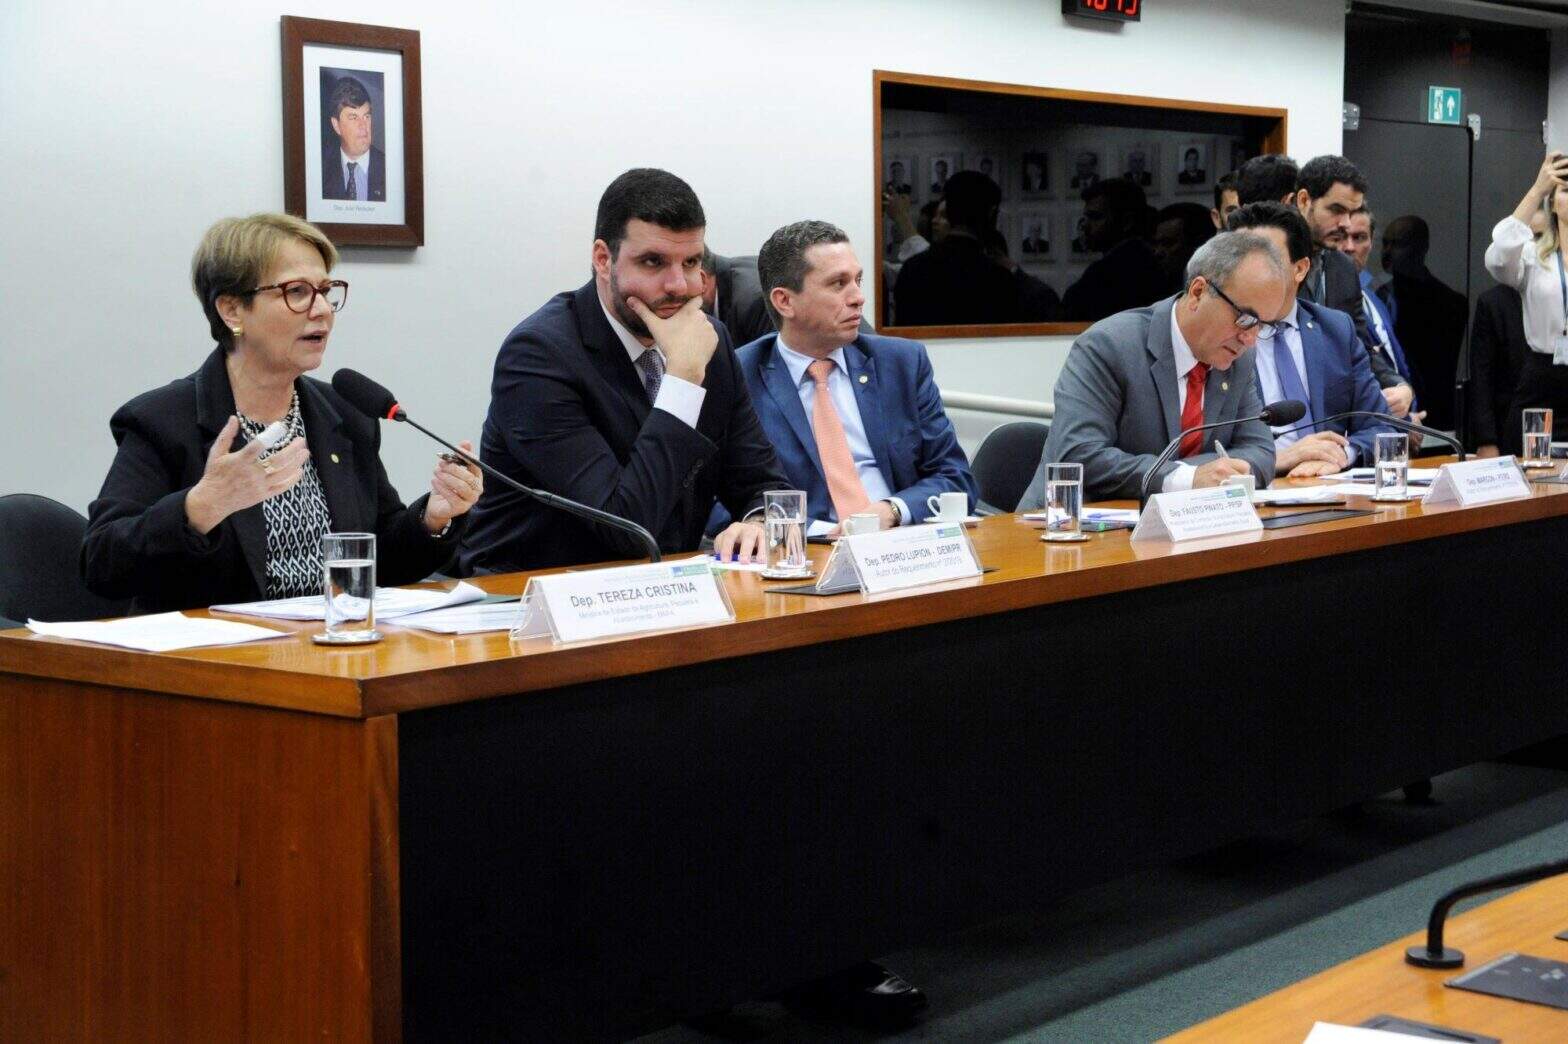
x,y
1268,377
842,391
361,173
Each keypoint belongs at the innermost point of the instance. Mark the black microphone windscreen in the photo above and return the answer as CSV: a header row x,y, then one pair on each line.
x,y
1286,411
364,394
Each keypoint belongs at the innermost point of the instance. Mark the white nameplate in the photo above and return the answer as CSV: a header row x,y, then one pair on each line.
x,y
1478,482
603,603
1212,511
906,556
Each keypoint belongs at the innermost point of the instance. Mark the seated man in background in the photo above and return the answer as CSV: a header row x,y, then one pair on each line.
x,y
856,419
1358,245
1128,275
1136,380
1429,316
954,280
731,295
1315,358
622,394
1332,280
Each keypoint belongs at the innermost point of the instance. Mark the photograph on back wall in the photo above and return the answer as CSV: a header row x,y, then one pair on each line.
x,y
1034,174
1086,167
1192,167
1139,163
1034,235
353,121
985,163
899,175
941,168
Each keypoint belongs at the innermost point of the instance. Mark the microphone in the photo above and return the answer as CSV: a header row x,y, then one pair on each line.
x,y
1275,413
375,400
1403,425
1434,954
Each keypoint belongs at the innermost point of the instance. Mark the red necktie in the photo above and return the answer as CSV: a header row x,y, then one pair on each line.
x,y
1192,411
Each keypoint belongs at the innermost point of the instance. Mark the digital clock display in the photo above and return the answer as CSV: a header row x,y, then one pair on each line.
x,y
1112,10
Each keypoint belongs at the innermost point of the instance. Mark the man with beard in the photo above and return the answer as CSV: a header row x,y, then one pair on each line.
x,y
624,395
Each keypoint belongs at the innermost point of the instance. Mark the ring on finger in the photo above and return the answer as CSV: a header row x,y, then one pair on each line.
x,y
266,467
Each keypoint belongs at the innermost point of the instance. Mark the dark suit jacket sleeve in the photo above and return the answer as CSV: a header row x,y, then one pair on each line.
x,y
1384,372
538,406
1089,399
941,464
1487,343
1364,393
137,537
750,465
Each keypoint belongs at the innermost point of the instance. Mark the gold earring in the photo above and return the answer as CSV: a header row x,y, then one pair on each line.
x,y
237,330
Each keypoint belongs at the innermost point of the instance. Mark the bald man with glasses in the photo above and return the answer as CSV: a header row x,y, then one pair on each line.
x,y
1135,380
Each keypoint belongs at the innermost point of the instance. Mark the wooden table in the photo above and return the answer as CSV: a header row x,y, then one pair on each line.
x,y
438,837
1381,983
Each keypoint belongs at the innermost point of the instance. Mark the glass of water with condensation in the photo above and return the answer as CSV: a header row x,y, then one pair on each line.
x,y
348,564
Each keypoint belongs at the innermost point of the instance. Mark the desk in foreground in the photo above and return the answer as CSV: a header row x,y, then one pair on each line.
x,y
1381,983
469,836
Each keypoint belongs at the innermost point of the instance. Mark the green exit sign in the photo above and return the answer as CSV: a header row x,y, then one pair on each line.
x,y
1445,105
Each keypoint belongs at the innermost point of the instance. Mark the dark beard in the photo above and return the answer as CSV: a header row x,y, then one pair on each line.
x,y
630,319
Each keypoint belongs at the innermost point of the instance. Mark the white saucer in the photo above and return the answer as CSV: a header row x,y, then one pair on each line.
x,y
968,520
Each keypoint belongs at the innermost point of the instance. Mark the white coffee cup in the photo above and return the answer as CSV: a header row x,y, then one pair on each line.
x,y
862,522
948,507
1249,482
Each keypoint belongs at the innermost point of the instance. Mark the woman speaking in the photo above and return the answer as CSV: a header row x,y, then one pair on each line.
x,y
1536,269
199,506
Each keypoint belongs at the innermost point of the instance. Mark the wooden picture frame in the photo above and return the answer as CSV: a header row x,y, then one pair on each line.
x,y
361,179
1269,125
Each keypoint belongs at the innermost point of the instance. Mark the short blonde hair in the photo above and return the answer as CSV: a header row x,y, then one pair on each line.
x,y
236,253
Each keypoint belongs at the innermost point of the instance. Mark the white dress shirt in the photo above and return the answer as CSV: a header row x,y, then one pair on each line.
x,y
681,399
1513,259
1180,478
361,173
842,391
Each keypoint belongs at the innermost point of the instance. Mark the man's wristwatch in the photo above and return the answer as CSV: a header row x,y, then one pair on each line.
x,y
898,516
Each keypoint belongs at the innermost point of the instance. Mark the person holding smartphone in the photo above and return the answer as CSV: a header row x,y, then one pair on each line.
x,y
1537,269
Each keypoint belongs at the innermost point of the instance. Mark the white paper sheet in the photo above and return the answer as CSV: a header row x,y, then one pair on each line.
x,y
161,632
391,602
1365,475
1329,1033
1314,493
1091,515
465,619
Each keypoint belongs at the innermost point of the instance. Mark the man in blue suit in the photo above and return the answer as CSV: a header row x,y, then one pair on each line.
x,y
1317,358
855,418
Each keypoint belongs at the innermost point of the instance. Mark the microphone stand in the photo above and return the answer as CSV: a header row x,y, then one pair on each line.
x,y
1434,954
571,507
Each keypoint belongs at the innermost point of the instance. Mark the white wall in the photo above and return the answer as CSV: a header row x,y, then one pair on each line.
x,y
125,130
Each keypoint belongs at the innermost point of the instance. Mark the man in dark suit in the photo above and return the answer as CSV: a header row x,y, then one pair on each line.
x,y
1135,380
1497,354
1429,316
731,294
622,394
1326,192
1316,358
956,281
351,165
856,419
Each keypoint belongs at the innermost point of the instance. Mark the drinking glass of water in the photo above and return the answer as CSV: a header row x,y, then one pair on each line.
x,y
1063,502
1537,438
1391,473
348,563
784,532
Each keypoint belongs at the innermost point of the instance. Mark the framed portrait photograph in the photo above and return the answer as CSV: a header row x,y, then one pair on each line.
x,y
1194,167
900,175
1035,243
938,169
353,153
1034,173
987,163
1139,163
1085,167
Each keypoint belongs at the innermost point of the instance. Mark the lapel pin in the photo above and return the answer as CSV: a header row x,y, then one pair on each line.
x,y
334,458
864,378
1224,386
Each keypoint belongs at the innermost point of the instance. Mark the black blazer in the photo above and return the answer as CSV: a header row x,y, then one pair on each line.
x,y
139,546
1497,354
568,414
332,184
1336,283
740,298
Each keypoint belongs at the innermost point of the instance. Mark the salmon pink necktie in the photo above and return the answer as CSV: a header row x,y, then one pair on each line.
x,y
838,467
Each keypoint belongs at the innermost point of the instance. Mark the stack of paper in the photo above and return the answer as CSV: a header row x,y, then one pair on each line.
x,y
391,602
162,632
465,619
1313,493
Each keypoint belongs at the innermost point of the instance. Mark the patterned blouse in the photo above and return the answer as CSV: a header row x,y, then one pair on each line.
x,y
296,519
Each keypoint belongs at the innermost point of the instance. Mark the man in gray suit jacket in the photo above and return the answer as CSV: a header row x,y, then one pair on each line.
x,y
1134,380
